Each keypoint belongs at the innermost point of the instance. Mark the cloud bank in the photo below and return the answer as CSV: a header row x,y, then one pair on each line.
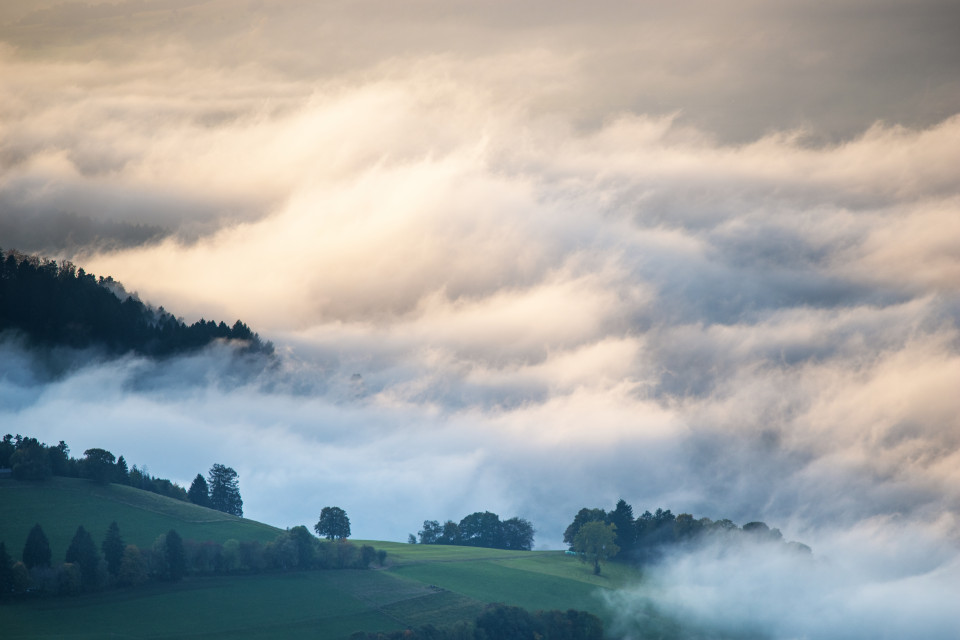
x,y
524,259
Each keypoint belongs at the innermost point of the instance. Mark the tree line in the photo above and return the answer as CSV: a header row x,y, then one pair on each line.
x,y
504,622
115,564
480,529
597,535
55,303
30,459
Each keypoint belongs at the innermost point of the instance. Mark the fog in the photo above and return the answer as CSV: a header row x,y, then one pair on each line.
x,y
524,259
882,579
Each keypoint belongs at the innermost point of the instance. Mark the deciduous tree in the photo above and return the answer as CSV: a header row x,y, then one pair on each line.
x,y
333,524
583,517
431,532
481,529
517,534
451,533
30,461
99,465
133,567
596,542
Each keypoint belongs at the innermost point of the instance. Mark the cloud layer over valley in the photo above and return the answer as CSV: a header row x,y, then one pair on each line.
x,y
524,259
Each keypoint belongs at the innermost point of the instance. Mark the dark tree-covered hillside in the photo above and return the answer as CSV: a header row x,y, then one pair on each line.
x,y
645,538
58,304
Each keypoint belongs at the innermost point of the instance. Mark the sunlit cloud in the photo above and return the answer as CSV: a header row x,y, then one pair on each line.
x,y
525,259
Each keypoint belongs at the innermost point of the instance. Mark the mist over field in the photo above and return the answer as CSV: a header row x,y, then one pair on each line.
x,y
525,258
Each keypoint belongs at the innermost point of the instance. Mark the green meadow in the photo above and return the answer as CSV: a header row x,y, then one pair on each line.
x,y
59,505
439,585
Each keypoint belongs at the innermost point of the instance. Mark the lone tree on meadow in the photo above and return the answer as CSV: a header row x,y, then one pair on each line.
x,y
333,524
225,490
596,542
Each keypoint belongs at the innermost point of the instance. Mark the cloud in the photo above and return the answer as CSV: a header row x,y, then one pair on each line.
x,y
524,259
883,579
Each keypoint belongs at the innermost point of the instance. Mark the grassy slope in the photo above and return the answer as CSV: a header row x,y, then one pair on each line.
x,y
429,585
62,504
438,585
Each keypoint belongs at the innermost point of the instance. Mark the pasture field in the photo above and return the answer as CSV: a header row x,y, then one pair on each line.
x,y
439,585
437,588
311,604
60,505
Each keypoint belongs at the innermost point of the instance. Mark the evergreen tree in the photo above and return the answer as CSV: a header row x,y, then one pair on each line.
x,y
622,517
36,551
113,549
6,571
53,304
225,490
83,551
199,492
175,556
121,472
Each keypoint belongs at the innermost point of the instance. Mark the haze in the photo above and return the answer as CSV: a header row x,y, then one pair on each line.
x,y
524,258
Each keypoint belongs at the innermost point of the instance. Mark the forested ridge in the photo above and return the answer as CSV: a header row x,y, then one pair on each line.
x,y
57,304
597,535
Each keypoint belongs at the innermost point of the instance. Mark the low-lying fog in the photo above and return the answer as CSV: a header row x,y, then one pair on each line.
x,y
525,260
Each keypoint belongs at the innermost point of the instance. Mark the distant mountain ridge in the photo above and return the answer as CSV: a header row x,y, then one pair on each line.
x,y
58,304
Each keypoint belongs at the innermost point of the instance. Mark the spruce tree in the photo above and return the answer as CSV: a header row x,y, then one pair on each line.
x,y
121,472
113,548
36,551
199,492
83,551
6,571
225,490
175,555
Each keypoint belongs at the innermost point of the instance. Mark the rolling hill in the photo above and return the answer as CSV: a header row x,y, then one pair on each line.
x,y
59,505
420,584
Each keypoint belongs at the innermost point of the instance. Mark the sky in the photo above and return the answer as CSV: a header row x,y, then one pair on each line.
x,y
525,258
